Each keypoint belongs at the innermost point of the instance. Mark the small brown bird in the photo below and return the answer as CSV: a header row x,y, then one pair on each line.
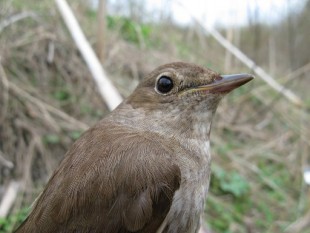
x,y
143,168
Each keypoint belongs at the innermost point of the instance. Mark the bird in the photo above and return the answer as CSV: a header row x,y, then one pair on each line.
x,y
143,168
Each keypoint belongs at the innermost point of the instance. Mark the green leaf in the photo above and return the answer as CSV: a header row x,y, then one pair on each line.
x,y
75,134
62,95
235,184
51,139
229,182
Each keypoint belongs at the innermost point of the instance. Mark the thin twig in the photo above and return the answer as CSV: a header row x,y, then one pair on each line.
x,y
14,18
249,63
9,198
48,107
5,82
297,73
257,69
5,162
42,105
300,224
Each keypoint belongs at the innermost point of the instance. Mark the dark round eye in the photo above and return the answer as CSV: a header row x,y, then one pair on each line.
x,y
164,84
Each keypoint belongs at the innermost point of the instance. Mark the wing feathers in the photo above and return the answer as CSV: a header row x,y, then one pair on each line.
x,y
107,185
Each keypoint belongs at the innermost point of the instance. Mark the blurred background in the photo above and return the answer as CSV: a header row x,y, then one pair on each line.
x,y
260,137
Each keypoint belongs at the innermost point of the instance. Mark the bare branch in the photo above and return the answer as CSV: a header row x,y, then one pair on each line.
x,y
9,198
301,224
101,30
42,105
257,69
14,18
249,63
106,88
5,162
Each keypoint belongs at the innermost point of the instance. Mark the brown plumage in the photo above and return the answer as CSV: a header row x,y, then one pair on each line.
x,y
143,168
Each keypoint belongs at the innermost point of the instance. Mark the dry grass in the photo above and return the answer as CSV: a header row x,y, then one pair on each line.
x,y
47,99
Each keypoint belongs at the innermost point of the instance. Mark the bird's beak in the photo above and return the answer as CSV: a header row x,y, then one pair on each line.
x,y
226,83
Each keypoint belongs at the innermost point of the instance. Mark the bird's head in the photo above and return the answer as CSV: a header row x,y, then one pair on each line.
x,y
183,85
182,93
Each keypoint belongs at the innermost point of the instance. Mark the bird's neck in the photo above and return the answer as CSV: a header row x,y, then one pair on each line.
x,y
171,123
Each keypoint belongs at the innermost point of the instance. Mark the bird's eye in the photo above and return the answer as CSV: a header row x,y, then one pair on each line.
x,y
164,84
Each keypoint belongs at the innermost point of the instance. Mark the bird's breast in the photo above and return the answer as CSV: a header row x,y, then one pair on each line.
x,y
188,201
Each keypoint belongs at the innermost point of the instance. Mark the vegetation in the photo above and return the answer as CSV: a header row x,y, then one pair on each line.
x,y
260,141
